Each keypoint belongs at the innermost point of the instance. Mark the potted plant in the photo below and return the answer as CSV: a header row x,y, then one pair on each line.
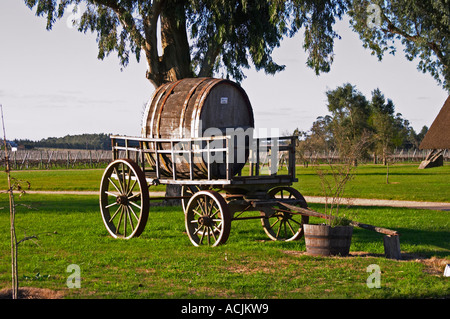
x,y
334,236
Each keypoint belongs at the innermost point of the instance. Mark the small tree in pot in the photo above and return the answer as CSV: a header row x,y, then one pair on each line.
x,y
334,236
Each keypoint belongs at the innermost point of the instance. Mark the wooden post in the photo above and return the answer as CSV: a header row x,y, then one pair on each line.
x,y
257,158
191,161
392,246
292,160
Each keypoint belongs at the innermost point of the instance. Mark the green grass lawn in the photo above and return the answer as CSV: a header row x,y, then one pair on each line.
x,y
162,263
62,180
406,182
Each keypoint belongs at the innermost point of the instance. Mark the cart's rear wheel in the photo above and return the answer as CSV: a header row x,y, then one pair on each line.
x,y
284,224
207,219
124,199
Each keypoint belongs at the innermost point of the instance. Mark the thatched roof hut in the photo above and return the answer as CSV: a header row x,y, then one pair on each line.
x,y
438,136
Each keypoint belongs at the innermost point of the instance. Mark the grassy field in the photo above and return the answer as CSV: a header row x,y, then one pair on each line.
x,y
406,182
162,263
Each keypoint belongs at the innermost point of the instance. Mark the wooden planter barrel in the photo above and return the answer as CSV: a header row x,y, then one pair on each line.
x,y
324,240
189,107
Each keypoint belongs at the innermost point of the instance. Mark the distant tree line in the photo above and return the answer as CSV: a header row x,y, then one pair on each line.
x,y
82,141
369,126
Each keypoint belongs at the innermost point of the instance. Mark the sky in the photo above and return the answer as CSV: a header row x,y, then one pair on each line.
x,y
52,84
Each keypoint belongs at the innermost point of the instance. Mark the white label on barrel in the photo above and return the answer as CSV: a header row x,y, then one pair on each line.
x,y
223,100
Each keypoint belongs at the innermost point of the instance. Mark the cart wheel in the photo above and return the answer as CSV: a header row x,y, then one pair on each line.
x,y
124,199
283,224
188,191
207,219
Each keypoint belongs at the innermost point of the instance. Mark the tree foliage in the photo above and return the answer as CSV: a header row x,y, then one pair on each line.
x,y
203,37
349,125
81,141
200,37
422,26
359,124
386,131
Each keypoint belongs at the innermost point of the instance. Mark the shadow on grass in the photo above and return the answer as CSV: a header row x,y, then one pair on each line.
x,y
55,203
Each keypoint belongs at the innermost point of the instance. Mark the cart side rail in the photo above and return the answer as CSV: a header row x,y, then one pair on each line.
x,y
266,155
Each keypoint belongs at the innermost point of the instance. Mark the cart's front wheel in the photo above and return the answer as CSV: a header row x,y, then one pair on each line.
x,y
124,199
207,219
187,191
282,223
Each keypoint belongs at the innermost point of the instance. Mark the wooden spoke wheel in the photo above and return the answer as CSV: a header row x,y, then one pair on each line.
x,y
188,191
207,219
284,224
124,199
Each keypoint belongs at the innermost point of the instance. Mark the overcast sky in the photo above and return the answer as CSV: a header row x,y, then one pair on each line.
x,y
51,83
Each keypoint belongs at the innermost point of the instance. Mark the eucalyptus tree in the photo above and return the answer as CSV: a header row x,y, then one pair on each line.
x,y
386,135
422,26
350,111
199,38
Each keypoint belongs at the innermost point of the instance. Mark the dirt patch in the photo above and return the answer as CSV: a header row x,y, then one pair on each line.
x,y
296,253
32,293
251,266
434,266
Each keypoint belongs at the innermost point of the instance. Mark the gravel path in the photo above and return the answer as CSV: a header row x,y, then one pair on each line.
x,y
385,202
310,199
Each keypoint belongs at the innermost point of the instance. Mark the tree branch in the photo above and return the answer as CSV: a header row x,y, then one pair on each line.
x,y
27,238
209,60
34,236
391,28
150,23
128,24
146,41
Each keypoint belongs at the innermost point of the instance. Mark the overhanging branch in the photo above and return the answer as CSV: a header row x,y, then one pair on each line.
x,y
417,38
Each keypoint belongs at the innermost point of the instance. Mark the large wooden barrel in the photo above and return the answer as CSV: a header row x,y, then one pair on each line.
x,y
324,240
190,108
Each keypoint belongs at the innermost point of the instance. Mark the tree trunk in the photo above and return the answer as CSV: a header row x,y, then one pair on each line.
x,y
14,266
176,59
384,156
175,62
12,216
171,191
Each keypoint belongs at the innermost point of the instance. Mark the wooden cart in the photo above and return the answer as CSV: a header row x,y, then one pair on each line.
x,y
210,200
